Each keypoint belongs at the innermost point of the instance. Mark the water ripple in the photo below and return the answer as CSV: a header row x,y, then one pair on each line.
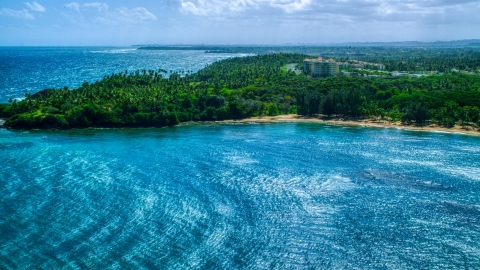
x,y
238,196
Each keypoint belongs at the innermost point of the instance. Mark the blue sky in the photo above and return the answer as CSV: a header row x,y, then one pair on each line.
x,y
124,22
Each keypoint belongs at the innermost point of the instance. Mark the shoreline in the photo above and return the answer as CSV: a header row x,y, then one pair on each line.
x,y
321,119
367,122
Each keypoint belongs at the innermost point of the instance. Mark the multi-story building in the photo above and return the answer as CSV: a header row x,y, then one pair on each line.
x,y
320,67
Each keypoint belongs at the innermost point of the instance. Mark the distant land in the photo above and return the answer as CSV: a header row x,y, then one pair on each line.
x,y
440,44
331,49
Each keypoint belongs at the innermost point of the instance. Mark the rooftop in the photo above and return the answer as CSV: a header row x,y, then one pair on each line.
x,y
320,59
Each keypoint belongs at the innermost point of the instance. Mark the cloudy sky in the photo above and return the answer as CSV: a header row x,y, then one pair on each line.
x,y
126,22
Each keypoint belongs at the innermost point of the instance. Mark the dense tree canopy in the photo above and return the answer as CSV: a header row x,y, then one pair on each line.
x,y
244,87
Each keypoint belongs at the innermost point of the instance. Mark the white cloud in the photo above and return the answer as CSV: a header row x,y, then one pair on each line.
x,y
290,5
20,14
99,6
73,5
129,16
222,7
333,20
212,7
100,12
36,6
139,13
347,10
189,7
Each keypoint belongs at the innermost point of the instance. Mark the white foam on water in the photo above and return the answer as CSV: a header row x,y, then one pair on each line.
x,y
146,203
337,182
238,158
415,162
322,143
468,148
469,172
224,210
369,155
115,51
97,171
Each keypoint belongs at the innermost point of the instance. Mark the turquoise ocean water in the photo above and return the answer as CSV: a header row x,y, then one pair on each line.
x,y
31,69
236,196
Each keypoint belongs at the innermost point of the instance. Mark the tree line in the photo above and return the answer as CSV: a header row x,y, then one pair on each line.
x,y
244,87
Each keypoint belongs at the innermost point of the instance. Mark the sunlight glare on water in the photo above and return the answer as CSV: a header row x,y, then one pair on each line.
x,y
239,196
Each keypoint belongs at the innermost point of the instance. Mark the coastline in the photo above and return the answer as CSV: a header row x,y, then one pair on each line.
x,y
367,122
323,119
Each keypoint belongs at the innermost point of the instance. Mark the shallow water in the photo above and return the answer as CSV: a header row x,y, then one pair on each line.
x,y
239,196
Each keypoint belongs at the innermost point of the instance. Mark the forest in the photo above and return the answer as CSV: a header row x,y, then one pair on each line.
x,y
401,56
252,86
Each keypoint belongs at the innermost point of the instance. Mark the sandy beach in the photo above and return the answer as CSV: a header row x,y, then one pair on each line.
x,y
367,122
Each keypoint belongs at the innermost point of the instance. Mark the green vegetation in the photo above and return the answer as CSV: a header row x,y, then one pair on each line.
x,y
396,56
244,87
4,107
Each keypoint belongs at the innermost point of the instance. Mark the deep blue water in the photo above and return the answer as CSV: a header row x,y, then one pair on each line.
x,y
257,196
31,69
210,196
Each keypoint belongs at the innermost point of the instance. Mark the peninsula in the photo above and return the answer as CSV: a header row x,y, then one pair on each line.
x,y
262,85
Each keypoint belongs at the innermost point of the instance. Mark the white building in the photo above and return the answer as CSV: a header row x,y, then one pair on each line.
x,y
320,67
